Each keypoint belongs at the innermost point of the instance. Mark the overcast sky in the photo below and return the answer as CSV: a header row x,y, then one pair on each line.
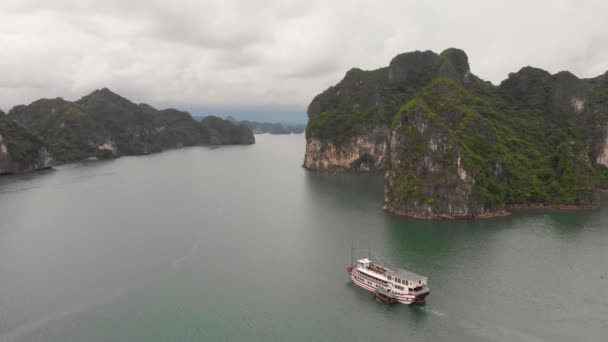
x,y
274,56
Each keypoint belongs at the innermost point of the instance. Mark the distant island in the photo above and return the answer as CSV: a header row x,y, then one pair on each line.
x,y
451,145
102,125
270,127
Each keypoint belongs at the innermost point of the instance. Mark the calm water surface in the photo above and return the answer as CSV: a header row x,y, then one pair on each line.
x,y
241,243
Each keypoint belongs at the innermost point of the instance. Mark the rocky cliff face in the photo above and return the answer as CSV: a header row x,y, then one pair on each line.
x,y
105,125
602,157
427,174
455,146
20,151
348,122
68,131
596,103
362,153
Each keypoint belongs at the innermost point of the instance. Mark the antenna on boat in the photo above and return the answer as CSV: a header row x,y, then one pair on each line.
x,y
352,246
369,251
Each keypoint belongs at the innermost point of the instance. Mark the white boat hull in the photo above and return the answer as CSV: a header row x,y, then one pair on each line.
x,y
371,287
401,298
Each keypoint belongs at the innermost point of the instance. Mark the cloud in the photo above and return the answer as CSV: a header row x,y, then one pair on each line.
x,y
274,55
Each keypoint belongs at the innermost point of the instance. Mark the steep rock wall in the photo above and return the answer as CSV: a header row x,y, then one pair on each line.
x,y
460,147
426,175
602,158
363,153
348,123
21,151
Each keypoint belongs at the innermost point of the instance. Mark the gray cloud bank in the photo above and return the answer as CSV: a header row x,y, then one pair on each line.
x,y
274,55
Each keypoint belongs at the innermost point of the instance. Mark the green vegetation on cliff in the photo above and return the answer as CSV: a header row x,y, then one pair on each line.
x,y
22,145
19,149
218,131
458,146
367,98
69,133
497,146
104,124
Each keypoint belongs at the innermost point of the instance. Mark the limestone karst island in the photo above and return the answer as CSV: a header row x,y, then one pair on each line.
x,y
451,145
102,125
271,170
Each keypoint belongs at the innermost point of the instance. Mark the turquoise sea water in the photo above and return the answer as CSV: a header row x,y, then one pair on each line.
x,y
242,244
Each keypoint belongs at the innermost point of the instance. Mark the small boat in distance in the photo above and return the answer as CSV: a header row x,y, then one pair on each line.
x,y
389,285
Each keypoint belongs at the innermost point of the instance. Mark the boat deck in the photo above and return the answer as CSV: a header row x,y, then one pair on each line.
x,y
378,269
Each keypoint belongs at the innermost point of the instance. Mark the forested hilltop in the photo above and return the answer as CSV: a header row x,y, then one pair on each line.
x,y
452,145
271,127
102,125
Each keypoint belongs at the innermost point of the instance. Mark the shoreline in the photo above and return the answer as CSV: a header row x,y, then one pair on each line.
x,y
568,207
41,170
341,171
504,213
445,217
115,157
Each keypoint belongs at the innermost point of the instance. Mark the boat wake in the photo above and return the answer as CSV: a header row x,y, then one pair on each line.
x,y
432,311
186,256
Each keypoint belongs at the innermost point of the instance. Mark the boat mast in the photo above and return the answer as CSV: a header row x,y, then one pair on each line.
x,y
352,245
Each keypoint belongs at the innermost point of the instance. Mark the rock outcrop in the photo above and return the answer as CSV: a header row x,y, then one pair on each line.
x,y
106,125
218,131
427,175
455,146
20,151
67,130
602,156
347,119
362,153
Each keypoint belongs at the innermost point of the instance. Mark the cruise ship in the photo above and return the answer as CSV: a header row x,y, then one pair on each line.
x,y
387,284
